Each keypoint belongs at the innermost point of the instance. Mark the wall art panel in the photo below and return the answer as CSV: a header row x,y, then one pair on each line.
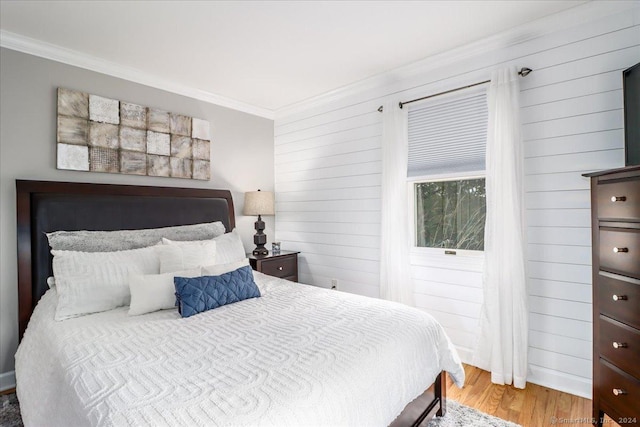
x,y
99,134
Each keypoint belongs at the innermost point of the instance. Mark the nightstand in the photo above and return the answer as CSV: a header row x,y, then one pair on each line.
x,y
283,264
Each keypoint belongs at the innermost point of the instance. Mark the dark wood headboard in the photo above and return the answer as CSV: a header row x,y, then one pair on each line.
x,y
46,206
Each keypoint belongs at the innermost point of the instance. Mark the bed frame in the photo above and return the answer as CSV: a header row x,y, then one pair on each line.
x,y
46,206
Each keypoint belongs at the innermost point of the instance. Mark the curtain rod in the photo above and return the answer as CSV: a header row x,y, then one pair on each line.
x,y
523,72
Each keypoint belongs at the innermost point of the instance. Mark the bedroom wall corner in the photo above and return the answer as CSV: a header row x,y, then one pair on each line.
x,y
242,156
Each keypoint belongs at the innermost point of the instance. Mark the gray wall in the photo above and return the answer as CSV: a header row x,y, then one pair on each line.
x,y
242,154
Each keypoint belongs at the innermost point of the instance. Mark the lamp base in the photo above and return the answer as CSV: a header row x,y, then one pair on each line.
x,y
260,239
260,251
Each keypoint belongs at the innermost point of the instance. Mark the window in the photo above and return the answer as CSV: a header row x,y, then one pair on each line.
x,y
447,144
450,214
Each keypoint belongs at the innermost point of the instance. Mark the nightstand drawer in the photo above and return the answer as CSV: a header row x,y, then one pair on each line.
x,y
282,264
619,345
280,267
619,251
619,200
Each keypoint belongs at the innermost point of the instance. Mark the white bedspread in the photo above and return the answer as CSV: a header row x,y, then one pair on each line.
x,y
297,356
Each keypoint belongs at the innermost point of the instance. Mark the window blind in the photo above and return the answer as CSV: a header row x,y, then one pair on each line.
x,y
448,135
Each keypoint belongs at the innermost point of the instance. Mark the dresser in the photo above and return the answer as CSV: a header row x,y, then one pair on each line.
x,y
283,264
615,206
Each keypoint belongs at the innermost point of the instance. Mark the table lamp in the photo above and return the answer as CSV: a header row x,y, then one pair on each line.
x,y
259,203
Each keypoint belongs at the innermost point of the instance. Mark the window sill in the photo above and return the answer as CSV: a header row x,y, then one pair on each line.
x,y
437,252
436,258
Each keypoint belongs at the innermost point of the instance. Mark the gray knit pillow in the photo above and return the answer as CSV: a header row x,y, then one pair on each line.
x,y
109,241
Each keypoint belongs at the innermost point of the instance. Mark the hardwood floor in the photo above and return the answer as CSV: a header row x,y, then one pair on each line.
x,y
534,406
11,390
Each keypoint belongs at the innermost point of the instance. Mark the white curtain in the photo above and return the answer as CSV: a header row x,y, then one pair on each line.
x,y
395,269
502,346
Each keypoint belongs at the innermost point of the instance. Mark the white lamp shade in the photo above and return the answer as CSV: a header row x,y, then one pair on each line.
x,y
259,203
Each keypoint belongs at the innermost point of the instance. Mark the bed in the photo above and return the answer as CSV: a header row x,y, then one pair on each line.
x,y
298,355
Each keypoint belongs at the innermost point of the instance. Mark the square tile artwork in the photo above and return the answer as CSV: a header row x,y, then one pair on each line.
x,y
99,134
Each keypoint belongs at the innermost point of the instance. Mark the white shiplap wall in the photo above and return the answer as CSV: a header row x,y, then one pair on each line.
x,y
328,198
328,176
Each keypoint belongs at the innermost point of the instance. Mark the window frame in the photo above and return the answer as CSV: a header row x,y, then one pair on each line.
x,y
438,252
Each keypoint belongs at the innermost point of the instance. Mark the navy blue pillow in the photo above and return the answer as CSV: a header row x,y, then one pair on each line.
x,y
198,294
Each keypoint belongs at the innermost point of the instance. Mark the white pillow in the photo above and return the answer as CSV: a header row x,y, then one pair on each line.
x,y
220,269
229,247
186,255
153,292
90,282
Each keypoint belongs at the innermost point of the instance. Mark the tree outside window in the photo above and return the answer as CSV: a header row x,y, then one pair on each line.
x,y
451,214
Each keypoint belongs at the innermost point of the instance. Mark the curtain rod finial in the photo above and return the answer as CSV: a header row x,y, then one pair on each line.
x,y
525,71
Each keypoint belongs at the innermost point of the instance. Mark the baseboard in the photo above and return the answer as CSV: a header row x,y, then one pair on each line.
x,y
466,355
544,377
560,381
7,380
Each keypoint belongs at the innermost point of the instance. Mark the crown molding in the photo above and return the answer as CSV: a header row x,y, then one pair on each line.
x,y
75,58
565,19
574,16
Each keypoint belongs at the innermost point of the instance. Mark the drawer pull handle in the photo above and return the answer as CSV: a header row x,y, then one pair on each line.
x,y
279,268
618,199
620,250
619,391
619,297
619,344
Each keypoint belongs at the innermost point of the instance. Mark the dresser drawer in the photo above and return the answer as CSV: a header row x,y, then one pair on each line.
x,y
628,208
619,299
619,250
280,267
619,345
627,387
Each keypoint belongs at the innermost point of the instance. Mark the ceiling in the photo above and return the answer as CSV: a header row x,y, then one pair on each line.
x,y
266,54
